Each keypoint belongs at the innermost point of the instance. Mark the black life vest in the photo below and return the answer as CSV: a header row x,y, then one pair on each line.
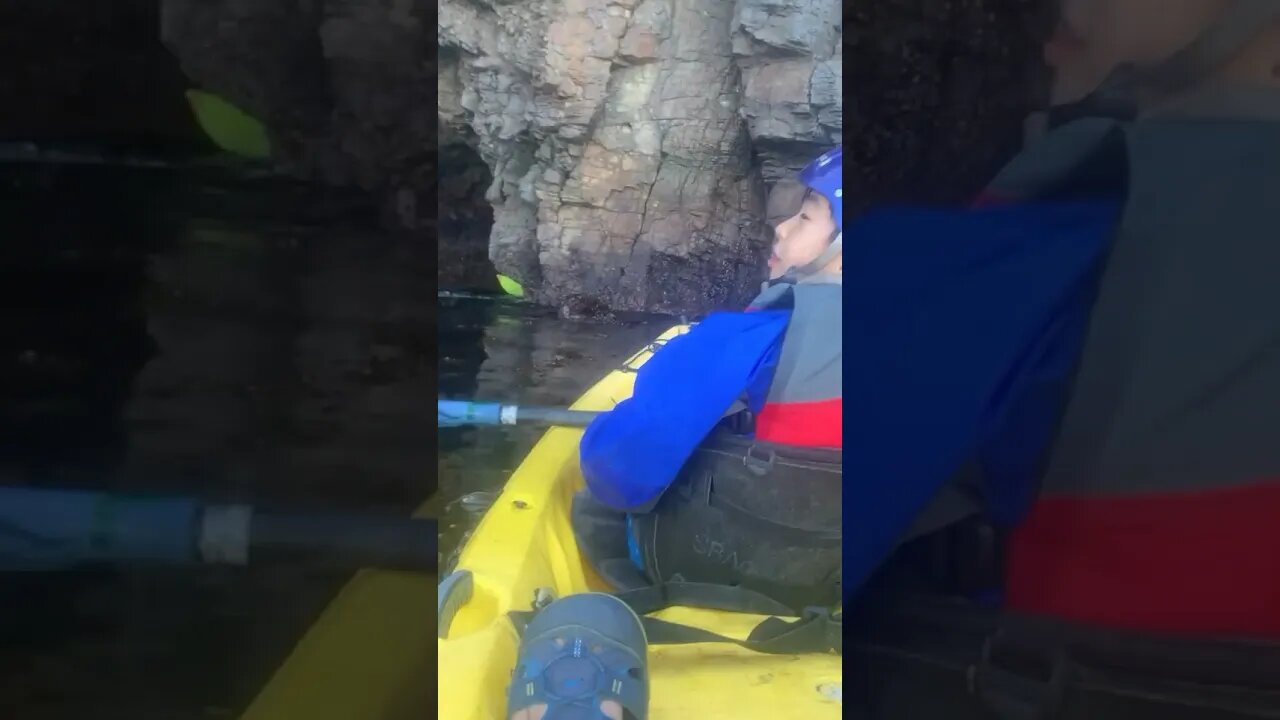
x,y
938,656
749,526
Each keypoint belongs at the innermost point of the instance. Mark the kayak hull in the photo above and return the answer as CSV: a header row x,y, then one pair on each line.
x,y
363,659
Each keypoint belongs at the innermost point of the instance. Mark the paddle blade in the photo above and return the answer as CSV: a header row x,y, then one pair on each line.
x,y
510,287
455,413
229,127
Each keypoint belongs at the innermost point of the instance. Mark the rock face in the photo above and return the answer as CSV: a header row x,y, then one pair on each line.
x,y
629,151
344,87
631,142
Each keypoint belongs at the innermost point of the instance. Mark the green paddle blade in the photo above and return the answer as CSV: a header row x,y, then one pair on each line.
x,y
229,127
510,287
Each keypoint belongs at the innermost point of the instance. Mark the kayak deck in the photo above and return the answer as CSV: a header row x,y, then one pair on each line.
x,y
364,658
524,542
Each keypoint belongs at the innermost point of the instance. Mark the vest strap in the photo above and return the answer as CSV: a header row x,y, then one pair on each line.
x,y
816,631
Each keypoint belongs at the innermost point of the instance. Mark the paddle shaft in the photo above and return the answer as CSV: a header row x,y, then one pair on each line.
x,y
552,416
451,413
43,529
239,535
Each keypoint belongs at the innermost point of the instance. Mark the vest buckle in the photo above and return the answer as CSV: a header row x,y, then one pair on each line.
x,y
1019,681
759,465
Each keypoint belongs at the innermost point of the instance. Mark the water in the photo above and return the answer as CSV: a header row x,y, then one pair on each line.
x,y
516,353
239,341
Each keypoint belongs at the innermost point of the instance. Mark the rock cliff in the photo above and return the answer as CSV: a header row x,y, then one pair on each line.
x,y
628,151
618,150
631,141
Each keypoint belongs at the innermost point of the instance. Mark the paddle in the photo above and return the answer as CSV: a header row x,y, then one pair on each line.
x,y
44,529
455,413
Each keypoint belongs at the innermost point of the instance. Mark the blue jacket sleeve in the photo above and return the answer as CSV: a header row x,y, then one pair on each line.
x,y
631,454
966,327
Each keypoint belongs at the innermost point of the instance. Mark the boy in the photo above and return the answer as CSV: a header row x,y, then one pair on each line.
x,y
783,357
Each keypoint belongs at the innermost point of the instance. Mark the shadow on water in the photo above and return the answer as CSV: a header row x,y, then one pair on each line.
x,y
511,352
208,336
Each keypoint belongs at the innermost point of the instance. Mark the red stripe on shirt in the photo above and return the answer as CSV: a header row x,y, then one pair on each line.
x,y
1190,562
807,424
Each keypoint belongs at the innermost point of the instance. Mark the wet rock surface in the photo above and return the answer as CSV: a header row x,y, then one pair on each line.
x,y
641,148
622,137
619,138
632,151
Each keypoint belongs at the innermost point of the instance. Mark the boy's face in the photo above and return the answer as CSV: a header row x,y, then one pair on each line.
x,y
801,238
1095,36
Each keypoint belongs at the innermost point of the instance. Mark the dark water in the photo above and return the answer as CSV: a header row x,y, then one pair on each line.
x,y
512,352
231,339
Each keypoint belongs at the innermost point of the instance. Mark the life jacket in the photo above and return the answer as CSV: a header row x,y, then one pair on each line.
x,y
743,523
749,525
630,455
1161,494
782,356
1001,295
752,523
1142,582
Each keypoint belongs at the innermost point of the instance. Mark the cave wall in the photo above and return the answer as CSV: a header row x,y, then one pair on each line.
x,y
631,141
345,88
465,219
633,151
634,142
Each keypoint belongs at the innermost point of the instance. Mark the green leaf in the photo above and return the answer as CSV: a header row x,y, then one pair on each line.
x,y
228,126
509,286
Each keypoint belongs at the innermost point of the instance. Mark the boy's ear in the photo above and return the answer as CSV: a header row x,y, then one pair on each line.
x,y
784,201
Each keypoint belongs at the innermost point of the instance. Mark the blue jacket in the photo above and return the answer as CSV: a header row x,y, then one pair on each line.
x,y
966,326
631,454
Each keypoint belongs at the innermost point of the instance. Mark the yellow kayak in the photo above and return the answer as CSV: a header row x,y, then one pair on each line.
x,y
524,543
368,656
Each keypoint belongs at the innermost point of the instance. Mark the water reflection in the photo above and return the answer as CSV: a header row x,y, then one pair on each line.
x,y
72,276
511,352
